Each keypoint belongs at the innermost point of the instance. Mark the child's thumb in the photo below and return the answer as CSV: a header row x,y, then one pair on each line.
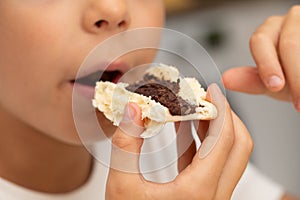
x,y
127,142
127,136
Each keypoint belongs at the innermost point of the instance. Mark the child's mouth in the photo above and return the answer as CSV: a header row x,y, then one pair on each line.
x,y
91,79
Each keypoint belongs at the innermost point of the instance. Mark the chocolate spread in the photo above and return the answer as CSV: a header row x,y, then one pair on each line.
x,y
163,91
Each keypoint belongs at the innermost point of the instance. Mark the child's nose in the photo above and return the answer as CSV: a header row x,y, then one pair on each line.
x,y
112,15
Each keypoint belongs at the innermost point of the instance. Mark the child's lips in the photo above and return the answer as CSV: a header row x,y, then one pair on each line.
x,y
83,90
86,79
91,79
85,85
90,75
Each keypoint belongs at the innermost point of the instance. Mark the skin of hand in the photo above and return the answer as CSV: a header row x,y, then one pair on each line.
x,y
212,174
275,47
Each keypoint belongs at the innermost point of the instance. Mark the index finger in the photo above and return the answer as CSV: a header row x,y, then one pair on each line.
x,y
289,48
263,44
215,149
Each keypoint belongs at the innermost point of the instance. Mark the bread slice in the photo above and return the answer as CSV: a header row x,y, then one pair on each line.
x,y
163,96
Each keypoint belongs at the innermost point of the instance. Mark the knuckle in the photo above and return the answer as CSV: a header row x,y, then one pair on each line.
x,y
247,143
257,38
250,143
260,35
120,141
243,138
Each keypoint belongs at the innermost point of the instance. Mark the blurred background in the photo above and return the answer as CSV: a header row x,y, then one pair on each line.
x,y
224,28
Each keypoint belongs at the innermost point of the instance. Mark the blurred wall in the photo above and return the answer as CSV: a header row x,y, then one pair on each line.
x,y
224,30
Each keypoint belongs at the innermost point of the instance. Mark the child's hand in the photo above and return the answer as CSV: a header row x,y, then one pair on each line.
x,y
213,173
275,47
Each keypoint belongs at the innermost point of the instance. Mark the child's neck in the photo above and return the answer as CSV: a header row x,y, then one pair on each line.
x,y
38,162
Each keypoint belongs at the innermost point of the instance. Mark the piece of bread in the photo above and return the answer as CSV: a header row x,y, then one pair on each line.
x,y
163,96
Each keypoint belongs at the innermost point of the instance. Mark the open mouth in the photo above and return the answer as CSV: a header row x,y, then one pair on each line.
x,y
91,79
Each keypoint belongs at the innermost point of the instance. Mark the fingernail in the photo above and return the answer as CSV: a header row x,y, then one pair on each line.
x,y
129,124
215,126
274,82
129,113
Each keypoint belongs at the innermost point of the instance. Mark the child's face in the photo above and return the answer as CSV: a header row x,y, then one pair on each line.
x,y
43,43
